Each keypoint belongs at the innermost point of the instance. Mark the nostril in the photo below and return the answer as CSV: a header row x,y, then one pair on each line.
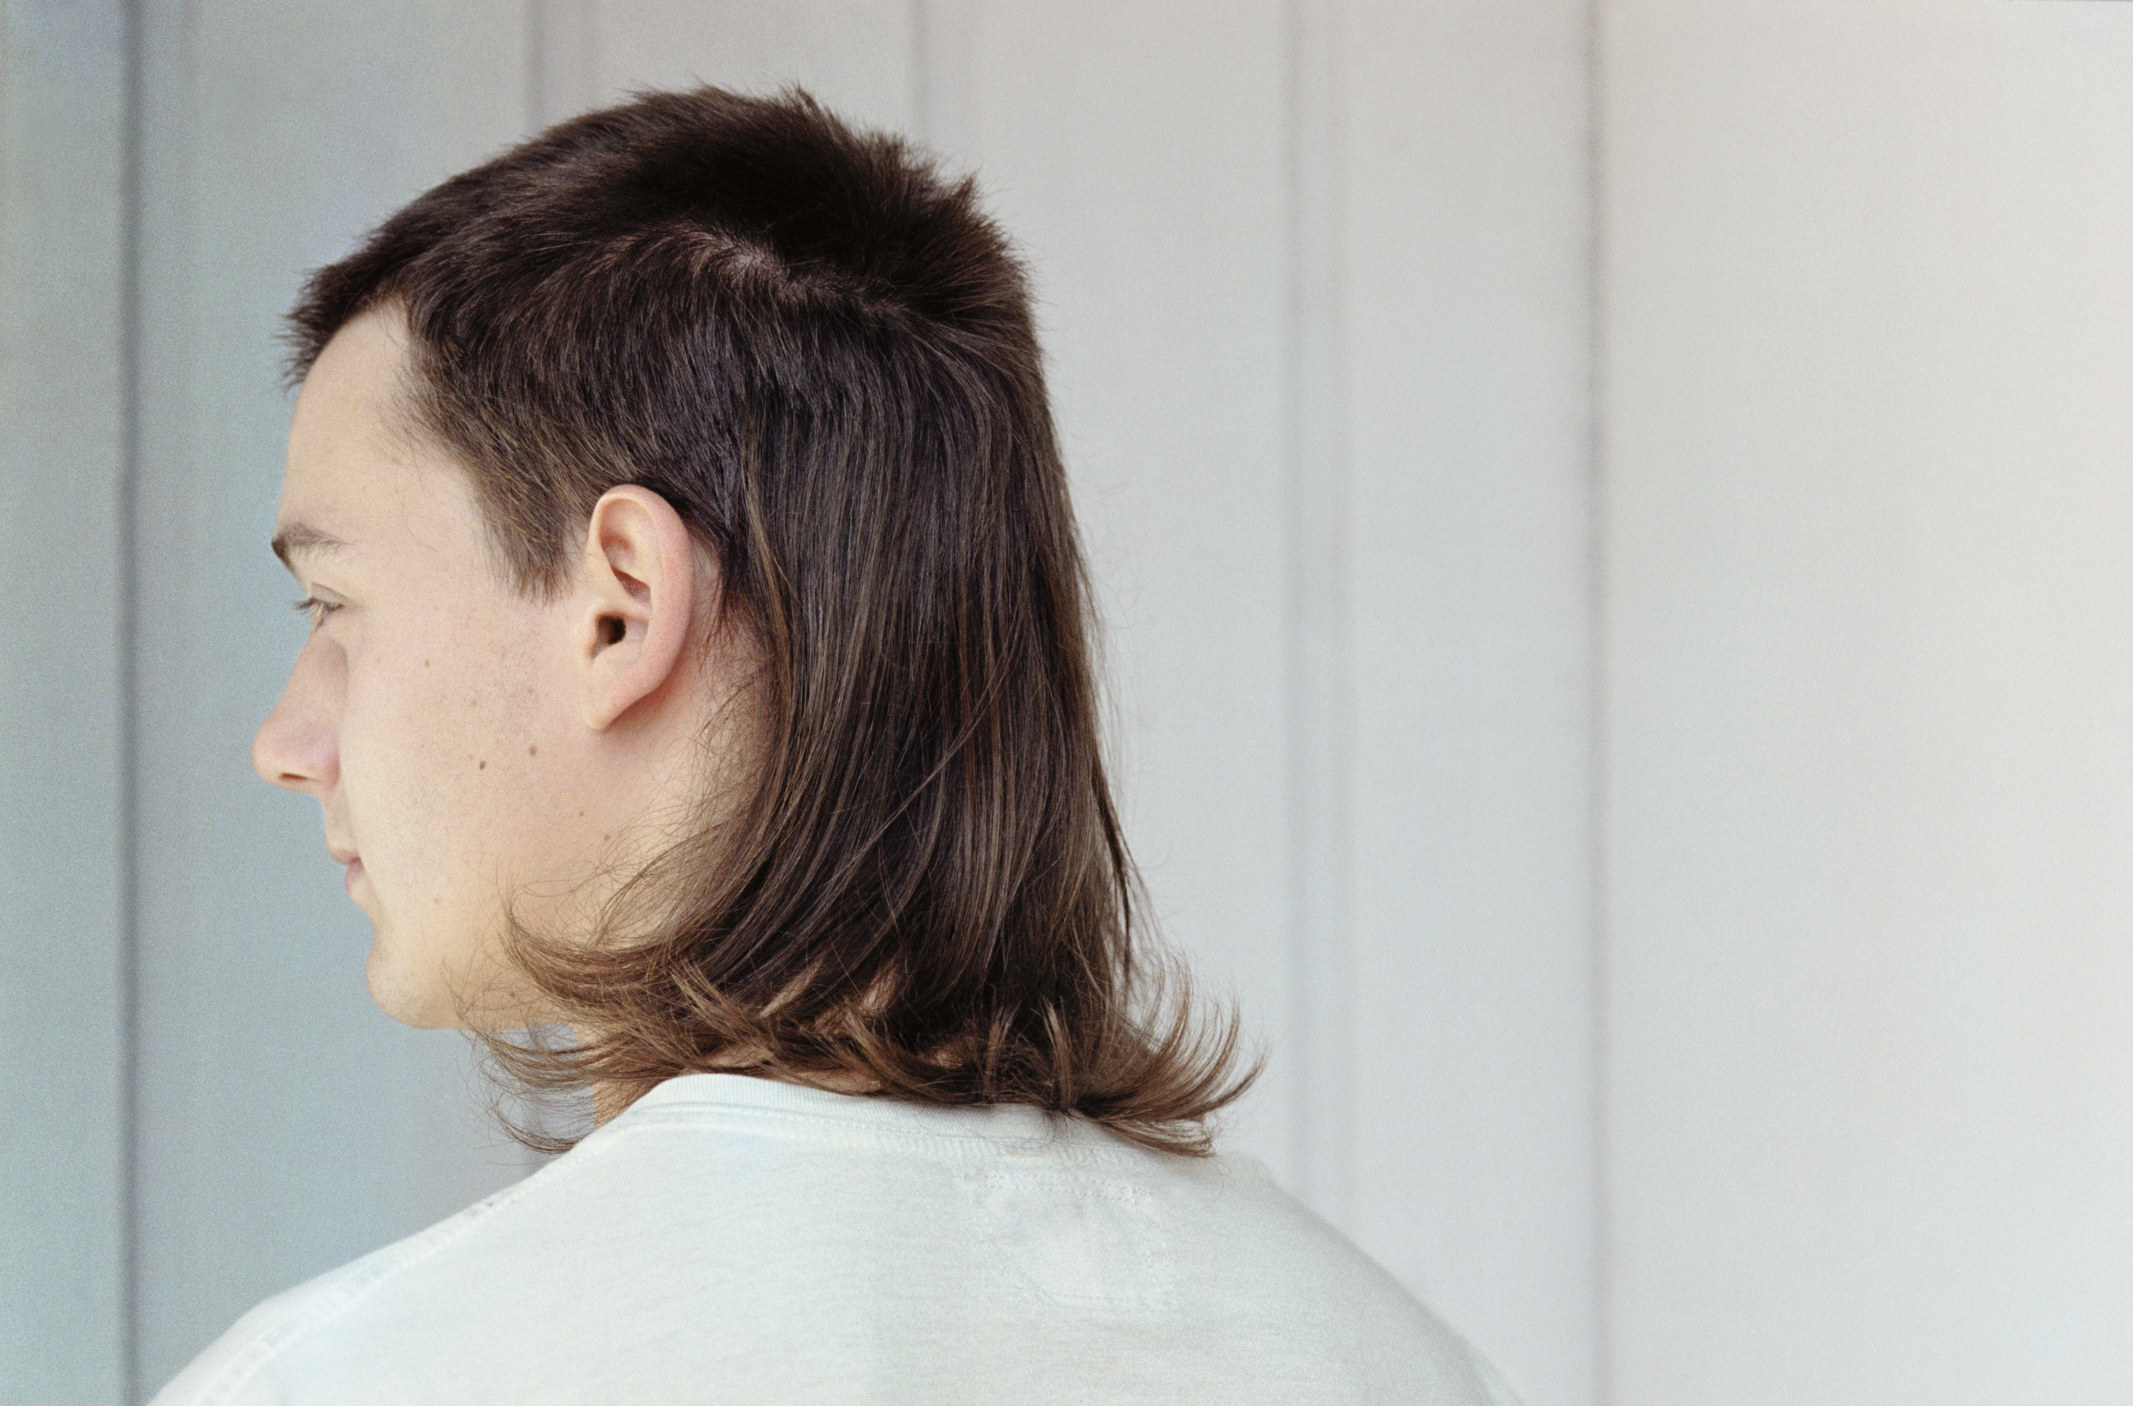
x,y
296,746
285,755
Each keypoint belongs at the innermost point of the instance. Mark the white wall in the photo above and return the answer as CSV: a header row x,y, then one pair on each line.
x,y
1471,964
63,864
1869,627
1314,280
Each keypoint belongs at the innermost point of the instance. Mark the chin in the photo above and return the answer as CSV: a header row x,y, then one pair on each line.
x,y
412,998
431,996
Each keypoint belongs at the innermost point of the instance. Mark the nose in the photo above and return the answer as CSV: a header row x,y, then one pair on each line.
x,y
297,746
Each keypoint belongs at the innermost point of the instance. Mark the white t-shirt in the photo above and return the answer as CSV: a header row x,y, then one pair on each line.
x,y
732,1239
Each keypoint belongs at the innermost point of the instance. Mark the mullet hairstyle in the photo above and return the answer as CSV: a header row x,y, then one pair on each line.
x,y
822,354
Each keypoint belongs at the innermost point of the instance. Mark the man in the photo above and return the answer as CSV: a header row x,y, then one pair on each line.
x,y
699,668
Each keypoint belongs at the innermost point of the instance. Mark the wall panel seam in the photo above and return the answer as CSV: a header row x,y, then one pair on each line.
x,y
1600,740
1596,684
1319,660
128,818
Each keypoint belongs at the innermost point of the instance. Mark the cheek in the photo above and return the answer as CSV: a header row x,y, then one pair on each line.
x,y
435,741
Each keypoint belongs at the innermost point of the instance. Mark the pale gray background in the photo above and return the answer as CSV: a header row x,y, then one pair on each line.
x,y
1616,526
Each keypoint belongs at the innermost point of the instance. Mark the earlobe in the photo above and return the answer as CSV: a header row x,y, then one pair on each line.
x,y
638,603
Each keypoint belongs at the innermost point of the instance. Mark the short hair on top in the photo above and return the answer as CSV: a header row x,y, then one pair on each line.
x,y
821,353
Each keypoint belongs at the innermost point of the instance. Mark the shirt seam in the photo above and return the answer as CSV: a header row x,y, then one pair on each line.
x,y
834,1127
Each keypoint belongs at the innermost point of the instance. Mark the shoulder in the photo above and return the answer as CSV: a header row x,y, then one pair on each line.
x,y
783,1244
1313,1302
270,1354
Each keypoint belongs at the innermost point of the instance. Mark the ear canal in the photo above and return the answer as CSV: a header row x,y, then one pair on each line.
x,y
615,629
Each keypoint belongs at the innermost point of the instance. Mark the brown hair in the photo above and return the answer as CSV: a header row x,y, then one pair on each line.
x,y
822,355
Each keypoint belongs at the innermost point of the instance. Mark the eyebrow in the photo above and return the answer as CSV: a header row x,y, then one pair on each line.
x,y
298,537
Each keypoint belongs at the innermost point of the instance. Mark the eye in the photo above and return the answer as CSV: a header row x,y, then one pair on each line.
x,y
317,609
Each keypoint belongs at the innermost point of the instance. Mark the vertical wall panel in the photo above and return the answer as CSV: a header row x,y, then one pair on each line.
x,y
857,56
1870,651
286,1125
1318,628
1468,372
62,833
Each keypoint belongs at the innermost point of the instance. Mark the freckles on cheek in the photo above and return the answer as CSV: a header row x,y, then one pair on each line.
x,y
451,704
469,719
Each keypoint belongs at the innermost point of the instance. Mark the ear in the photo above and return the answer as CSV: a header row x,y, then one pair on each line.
x,y
636,603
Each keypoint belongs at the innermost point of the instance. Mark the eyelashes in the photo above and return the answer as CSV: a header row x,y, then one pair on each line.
x,y
317,609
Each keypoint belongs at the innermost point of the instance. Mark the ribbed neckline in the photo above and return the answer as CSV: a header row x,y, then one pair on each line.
x,y
1001,1122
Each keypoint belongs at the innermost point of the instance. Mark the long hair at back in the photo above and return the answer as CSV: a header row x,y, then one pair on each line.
x,y
822,355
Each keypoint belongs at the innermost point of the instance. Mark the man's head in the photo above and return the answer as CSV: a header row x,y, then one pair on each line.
x,y
478,748
705,660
